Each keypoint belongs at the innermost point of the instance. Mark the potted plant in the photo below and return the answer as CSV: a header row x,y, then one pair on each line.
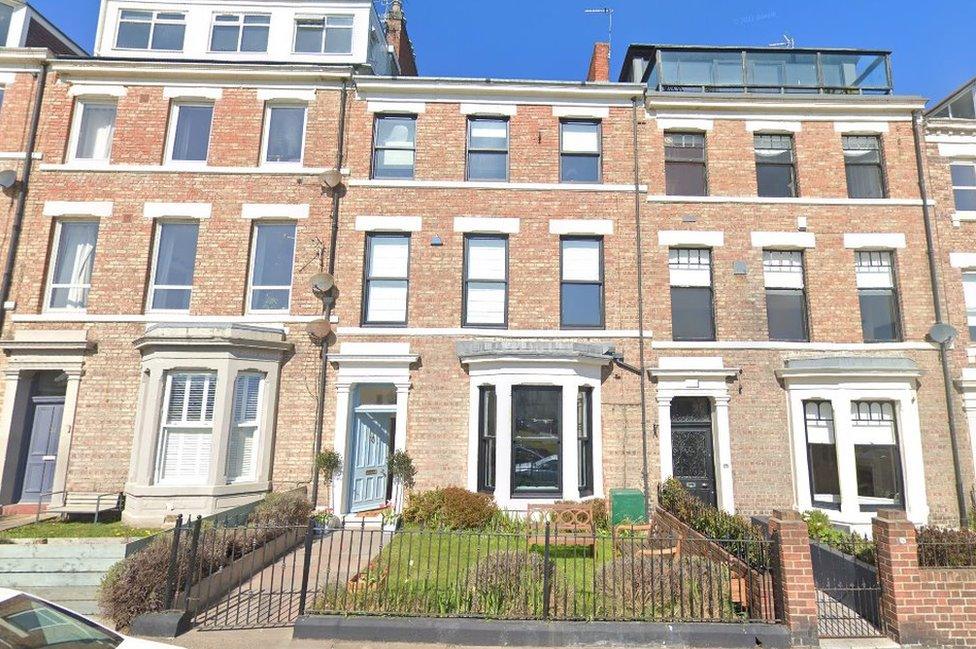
x,y
329,465
400,467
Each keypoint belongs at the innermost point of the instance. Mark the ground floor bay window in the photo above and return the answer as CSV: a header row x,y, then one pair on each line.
x,y
535,433
856,437
205,419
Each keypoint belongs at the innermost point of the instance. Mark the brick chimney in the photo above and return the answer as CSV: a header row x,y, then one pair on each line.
x,y
600,63
396,36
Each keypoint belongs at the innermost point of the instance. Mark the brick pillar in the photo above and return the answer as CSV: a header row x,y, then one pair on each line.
x,y
899,576
793,587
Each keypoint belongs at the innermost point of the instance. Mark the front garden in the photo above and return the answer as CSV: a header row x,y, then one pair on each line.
x,y
458,555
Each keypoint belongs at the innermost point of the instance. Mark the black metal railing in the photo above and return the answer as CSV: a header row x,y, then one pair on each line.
x,y
248,576
947,548
539,573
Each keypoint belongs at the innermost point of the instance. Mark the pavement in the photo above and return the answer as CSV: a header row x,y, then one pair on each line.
x,y
281,639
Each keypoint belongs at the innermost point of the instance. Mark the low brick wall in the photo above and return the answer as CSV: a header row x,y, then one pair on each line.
x,y
934,607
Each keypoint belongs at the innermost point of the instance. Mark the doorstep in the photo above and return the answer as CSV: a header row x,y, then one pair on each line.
x,y
859,643
534,633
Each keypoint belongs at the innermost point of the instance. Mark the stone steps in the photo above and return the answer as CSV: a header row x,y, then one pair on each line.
x,y
80,599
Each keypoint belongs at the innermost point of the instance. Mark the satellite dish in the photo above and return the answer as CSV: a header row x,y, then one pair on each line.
x,y
319,328
7,179
942,333
322,283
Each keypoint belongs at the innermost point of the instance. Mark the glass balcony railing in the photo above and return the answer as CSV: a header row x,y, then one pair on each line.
x,y
772,71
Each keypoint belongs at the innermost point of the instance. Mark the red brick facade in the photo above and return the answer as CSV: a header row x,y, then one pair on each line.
x,y
760,421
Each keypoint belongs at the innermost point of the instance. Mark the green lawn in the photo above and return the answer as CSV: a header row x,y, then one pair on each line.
x,y
501,575
60,530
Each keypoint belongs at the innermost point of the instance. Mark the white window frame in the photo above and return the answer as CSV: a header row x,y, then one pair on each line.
x,y
81,105
968,214
155,261
241,17
324,18
256,424
969,276
164,425
174,114
251,286
55,249
265,141
152,28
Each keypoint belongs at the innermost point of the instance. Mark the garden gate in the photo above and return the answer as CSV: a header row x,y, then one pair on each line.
x,y
848,595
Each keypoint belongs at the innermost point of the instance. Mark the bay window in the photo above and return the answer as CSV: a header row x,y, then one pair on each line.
x,y
822,453
786,303
876,457
878,296
70,279
272,261
485,280
94,130
387,279
692,308
536,441
242,443
584,440
186,435
581,288
487,434
173,269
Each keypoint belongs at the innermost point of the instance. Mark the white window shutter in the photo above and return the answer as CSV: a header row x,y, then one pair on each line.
x,y
242,445
690,267
486,303
874,269
581,260
387,301
187,429
486,259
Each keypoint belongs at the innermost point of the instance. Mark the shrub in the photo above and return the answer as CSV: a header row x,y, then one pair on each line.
x,y
636,585
424,508
506,583
401,468
734,533
946,548
821,529
329,464
137,584
452,508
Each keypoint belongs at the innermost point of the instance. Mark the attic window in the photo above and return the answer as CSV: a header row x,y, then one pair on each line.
x,y
324,35
152,30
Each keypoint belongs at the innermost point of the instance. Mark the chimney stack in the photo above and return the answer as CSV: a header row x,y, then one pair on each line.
x,y
399,41
600,63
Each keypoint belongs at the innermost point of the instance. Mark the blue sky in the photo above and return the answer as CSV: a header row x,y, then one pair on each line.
x,y
552,39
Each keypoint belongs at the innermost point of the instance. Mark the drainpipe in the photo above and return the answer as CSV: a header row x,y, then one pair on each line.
x,y
18,224
937,304
329,301
640,310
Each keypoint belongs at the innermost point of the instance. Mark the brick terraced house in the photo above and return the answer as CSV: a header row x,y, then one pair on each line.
x,y
734,237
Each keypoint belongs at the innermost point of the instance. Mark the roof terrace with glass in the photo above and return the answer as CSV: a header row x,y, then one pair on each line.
x,y
761,70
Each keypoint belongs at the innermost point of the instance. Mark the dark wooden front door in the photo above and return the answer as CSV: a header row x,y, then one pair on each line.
x,y
692,453
42,447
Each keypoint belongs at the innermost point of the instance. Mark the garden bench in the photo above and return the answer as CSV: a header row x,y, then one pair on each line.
x,y
86,503
569,524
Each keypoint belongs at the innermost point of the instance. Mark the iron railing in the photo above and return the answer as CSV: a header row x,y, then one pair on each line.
x,y
947,549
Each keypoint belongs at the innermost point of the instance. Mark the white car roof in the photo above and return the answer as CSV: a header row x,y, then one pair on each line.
x,y
6,593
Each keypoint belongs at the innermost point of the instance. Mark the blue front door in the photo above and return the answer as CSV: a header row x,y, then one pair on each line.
x,y
42,447
371,436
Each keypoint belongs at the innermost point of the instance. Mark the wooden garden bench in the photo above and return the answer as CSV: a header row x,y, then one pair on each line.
x,y
87,504
569,524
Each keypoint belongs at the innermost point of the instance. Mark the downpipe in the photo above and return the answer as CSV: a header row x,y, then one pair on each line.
x,y
939,319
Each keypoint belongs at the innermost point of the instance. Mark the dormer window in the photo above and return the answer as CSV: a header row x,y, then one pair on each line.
x,y
151,30
324,35
240,33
